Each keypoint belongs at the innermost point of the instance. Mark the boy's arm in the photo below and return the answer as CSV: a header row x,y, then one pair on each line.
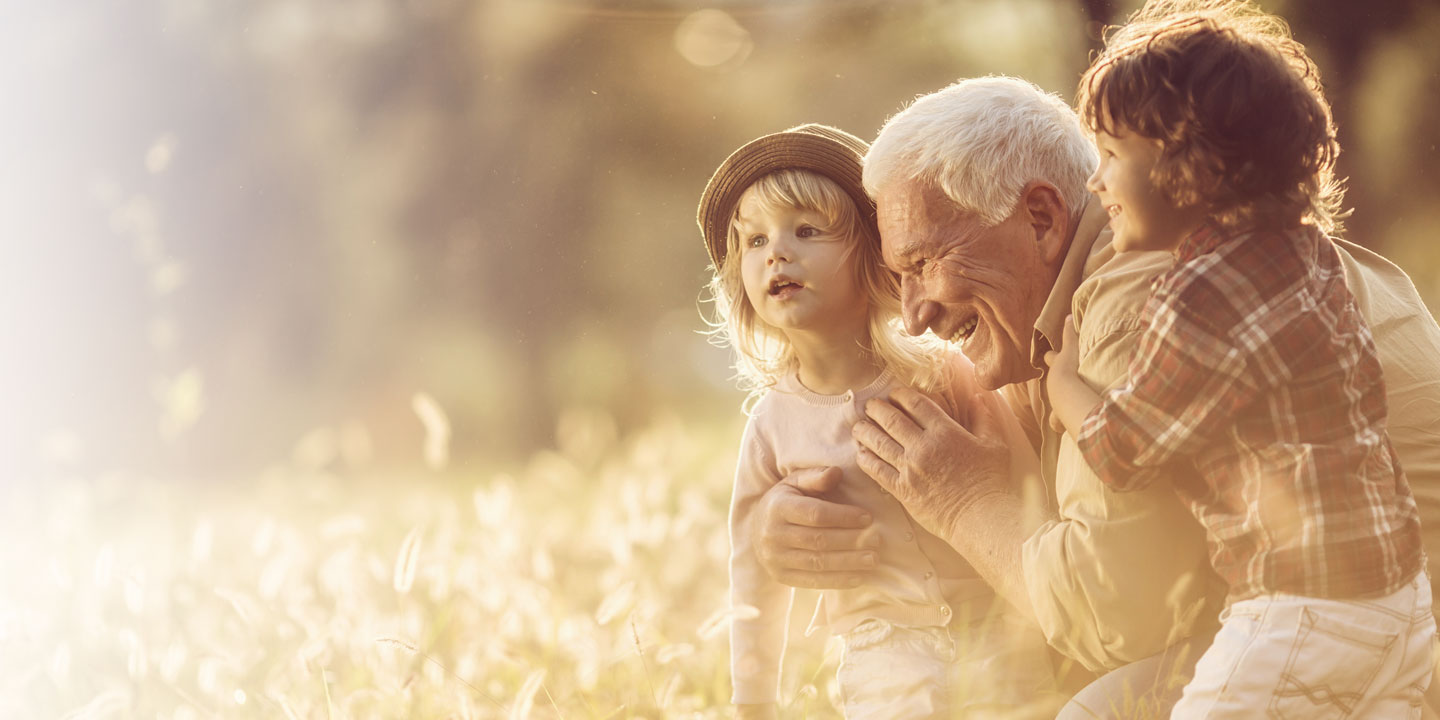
x,y
1071,399
1187,382
760,606
1112,580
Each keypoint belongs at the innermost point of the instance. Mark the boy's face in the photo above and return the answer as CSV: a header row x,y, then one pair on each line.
x,y
1141,217
797,276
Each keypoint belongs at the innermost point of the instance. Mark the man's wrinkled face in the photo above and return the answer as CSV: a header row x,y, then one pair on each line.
x,y
980,287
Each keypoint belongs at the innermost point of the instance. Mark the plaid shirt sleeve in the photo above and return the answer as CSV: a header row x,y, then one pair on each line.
x,y
1188,380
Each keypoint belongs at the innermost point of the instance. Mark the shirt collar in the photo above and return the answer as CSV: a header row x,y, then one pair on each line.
x,y
1202,240
1092,236
790,384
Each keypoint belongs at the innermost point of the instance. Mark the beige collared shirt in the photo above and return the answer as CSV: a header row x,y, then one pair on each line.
x,y
1120,576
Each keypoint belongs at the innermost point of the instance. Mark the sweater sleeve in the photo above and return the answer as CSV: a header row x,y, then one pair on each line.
x,y
760,605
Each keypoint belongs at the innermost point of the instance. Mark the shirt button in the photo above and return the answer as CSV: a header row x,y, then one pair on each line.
x,y
909,537
945,611
929,575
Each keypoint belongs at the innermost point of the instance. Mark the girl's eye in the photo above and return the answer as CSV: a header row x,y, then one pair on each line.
x,y
755,241
806,231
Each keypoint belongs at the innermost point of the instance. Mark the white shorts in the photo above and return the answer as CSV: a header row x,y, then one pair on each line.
x,y
998,668
1287,656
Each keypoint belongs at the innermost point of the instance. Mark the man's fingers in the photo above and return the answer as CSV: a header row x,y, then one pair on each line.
x,y
894,421
819,580
883,473
816,513
923,410
814,481
810,541
847,561
870,437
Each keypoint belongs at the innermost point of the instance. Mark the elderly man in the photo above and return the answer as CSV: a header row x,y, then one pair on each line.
x,y
983,213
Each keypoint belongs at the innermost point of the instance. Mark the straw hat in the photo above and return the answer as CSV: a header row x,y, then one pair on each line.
x,y
829,151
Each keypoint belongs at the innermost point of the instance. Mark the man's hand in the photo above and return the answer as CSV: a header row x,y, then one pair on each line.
x,y
807,542
934,466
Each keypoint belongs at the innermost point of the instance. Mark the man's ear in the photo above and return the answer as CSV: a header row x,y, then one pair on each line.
x,y
1049,219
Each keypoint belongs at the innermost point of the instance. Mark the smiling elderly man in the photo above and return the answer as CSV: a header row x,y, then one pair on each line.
x,y
983,213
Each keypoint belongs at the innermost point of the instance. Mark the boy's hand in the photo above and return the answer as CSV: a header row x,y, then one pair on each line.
x,y
1065,362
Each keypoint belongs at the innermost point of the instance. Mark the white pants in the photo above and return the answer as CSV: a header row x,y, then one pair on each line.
x,y
1285,656
996,668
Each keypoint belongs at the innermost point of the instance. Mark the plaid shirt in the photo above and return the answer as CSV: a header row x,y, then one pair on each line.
x,y
1256,387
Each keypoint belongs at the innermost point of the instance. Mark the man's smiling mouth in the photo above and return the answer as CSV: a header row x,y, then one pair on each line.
x,y
965,330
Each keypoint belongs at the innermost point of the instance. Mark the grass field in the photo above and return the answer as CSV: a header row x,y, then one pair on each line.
x,y
587,583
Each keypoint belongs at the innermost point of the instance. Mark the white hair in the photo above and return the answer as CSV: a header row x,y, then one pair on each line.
x,y
980,141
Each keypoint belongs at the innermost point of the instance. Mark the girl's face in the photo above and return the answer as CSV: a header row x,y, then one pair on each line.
x,y
798,277
1141,217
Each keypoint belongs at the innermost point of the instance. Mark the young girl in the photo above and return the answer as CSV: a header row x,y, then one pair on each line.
x,y
803,297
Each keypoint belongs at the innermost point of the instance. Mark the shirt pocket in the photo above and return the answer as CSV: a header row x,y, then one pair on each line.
x,y
1331,666
1107,345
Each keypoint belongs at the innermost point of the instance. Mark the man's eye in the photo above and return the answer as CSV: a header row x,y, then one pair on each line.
x,y
755,241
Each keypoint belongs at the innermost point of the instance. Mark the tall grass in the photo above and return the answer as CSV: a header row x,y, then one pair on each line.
x,y
587,583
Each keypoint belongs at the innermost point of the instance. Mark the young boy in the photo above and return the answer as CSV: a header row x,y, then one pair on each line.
x,y
1256,388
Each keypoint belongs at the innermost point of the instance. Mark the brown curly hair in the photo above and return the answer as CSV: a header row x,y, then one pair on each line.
x,y
1235,102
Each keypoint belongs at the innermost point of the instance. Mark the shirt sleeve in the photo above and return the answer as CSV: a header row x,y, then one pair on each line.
x,y
1187,381
760,606
1119,576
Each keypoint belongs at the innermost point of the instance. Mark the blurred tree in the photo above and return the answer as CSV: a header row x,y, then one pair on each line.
x,y
241,224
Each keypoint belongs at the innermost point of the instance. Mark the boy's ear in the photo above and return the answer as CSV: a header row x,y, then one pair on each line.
x,y
1049,219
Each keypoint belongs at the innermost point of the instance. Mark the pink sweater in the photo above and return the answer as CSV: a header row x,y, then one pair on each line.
x,y
919,581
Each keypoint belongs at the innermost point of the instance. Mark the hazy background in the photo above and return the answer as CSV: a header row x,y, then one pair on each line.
x,y
238,232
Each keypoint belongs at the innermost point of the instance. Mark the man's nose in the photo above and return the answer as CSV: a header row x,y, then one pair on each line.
x,y
915,310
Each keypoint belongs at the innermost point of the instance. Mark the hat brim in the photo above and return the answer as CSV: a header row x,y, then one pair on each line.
x,y
828,151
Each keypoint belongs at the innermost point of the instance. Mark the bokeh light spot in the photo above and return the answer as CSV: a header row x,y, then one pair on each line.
x,y
711,37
